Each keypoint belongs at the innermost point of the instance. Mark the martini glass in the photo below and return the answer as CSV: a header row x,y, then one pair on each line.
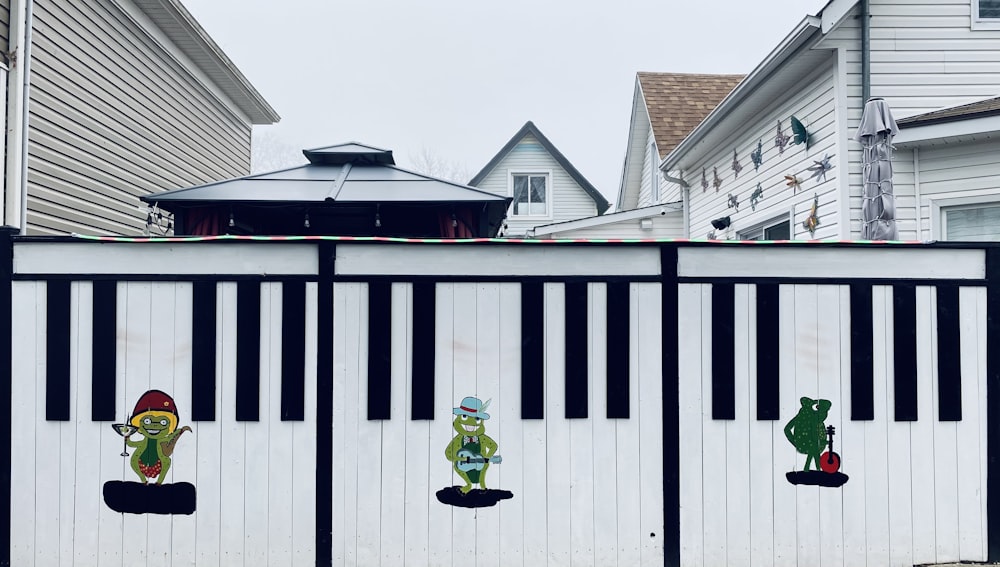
x,y
124,429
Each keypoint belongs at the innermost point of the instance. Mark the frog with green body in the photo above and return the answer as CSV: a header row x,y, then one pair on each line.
x,y
471,451
807,430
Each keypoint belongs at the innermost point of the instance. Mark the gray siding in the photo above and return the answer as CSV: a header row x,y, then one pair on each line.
x,y
4,25
115,116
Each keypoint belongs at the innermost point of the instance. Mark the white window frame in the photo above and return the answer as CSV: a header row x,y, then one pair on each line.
x,y
547,173
982,23
788,217
941,204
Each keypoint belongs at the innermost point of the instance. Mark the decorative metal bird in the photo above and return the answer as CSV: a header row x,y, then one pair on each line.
x,y
781,139
737,168
716,180
757,156
793,181
704,180
812,221
733,202
820,167
801,134
756,196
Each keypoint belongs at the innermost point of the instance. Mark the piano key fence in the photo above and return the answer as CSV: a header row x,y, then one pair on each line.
x,y
361,402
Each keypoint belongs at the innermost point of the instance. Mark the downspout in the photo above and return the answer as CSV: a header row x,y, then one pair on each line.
x,y
916,193
15,190
26,93
866,52
685,195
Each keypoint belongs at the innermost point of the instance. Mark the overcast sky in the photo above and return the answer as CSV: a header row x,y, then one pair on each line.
x,y
458,78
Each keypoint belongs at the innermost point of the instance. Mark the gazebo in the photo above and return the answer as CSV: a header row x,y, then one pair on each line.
x,y
345,190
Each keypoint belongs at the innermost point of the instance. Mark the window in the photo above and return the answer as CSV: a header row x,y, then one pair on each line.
x,y
971,222
985,14
531,196
775,229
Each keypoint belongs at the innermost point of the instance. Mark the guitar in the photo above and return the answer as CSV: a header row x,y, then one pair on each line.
x,y
469,461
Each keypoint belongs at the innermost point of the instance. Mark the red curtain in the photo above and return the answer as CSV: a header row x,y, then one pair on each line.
x,y
203,221
456,224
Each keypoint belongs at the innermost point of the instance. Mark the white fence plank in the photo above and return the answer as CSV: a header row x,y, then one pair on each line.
x,y
851,440
304,443
604,434
829,374
369,445
92,434
138,326
208,441
27,299
184,466
395,466
922,431
761,446
876,440
807,513
464,368
786,459
691,397
738,437
557,430
971,529
510,428
233,440
440,475
714,461
487,370
581,464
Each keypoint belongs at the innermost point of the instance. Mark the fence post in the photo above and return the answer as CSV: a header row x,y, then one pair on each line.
x,y
992,395
6,327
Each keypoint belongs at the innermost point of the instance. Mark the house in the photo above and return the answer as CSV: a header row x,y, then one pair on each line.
x,y
665,107
125,98
546,188
639,404
745,167
348,189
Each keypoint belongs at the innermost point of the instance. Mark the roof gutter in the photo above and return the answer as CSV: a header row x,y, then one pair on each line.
x,y
805,31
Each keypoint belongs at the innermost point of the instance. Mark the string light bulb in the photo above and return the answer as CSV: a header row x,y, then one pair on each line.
x,y
378,216
454,221
306,222
232,222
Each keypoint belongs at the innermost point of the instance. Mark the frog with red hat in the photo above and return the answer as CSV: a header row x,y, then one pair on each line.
x,y
155,418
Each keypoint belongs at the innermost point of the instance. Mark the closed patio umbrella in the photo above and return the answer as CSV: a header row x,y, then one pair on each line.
x,y
878,207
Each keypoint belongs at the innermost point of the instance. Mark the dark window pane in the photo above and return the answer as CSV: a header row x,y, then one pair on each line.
x,y
520,194
782,231
989,9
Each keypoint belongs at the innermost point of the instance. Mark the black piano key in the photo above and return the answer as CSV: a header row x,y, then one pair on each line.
x,y
671,407
293,350
949,345
379,349
424,325
248,351
862,357
576,350
57,341
618,349
723,355
768,400
532,350
904,315
103,350
203,323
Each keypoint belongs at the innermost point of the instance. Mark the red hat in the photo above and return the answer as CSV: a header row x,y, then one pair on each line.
x,y
154,400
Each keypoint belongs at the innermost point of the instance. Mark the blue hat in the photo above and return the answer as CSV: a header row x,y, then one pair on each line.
x,y
473,407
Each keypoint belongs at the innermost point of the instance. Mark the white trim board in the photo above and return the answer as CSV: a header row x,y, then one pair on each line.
x,y
608,218
210,258
861,263
914,135
516,260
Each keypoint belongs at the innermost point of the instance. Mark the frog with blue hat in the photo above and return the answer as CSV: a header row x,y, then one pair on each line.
x,y
472,451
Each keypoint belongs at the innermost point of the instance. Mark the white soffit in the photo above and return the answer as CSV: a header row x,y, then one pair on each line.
x,y
816,262
834,12
494,261
209,258
916,135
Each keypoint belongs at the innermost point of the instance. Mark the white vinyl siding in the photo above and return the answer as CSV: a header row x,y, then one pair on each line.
x,y
640,134
954,176
646,197
569,201
813,103
115,116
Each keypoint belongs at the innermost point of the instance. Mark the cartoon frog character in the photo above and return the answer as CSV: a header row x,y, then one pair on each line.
x,y
472,451
155,418
807,432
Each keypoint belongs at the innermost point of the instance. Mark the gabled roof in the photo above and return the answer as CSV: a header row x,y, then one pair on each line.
x,y
982,108
530,128
184,31
678,102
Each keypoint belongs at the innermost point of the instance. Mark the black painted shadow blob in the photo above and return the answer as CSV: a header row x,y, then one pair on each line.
x,y
476,498
817,478
138,498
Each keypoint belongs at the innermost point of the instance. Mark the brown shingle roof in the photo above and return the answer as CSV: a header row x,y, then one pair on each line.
x,y
678,102
973,110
